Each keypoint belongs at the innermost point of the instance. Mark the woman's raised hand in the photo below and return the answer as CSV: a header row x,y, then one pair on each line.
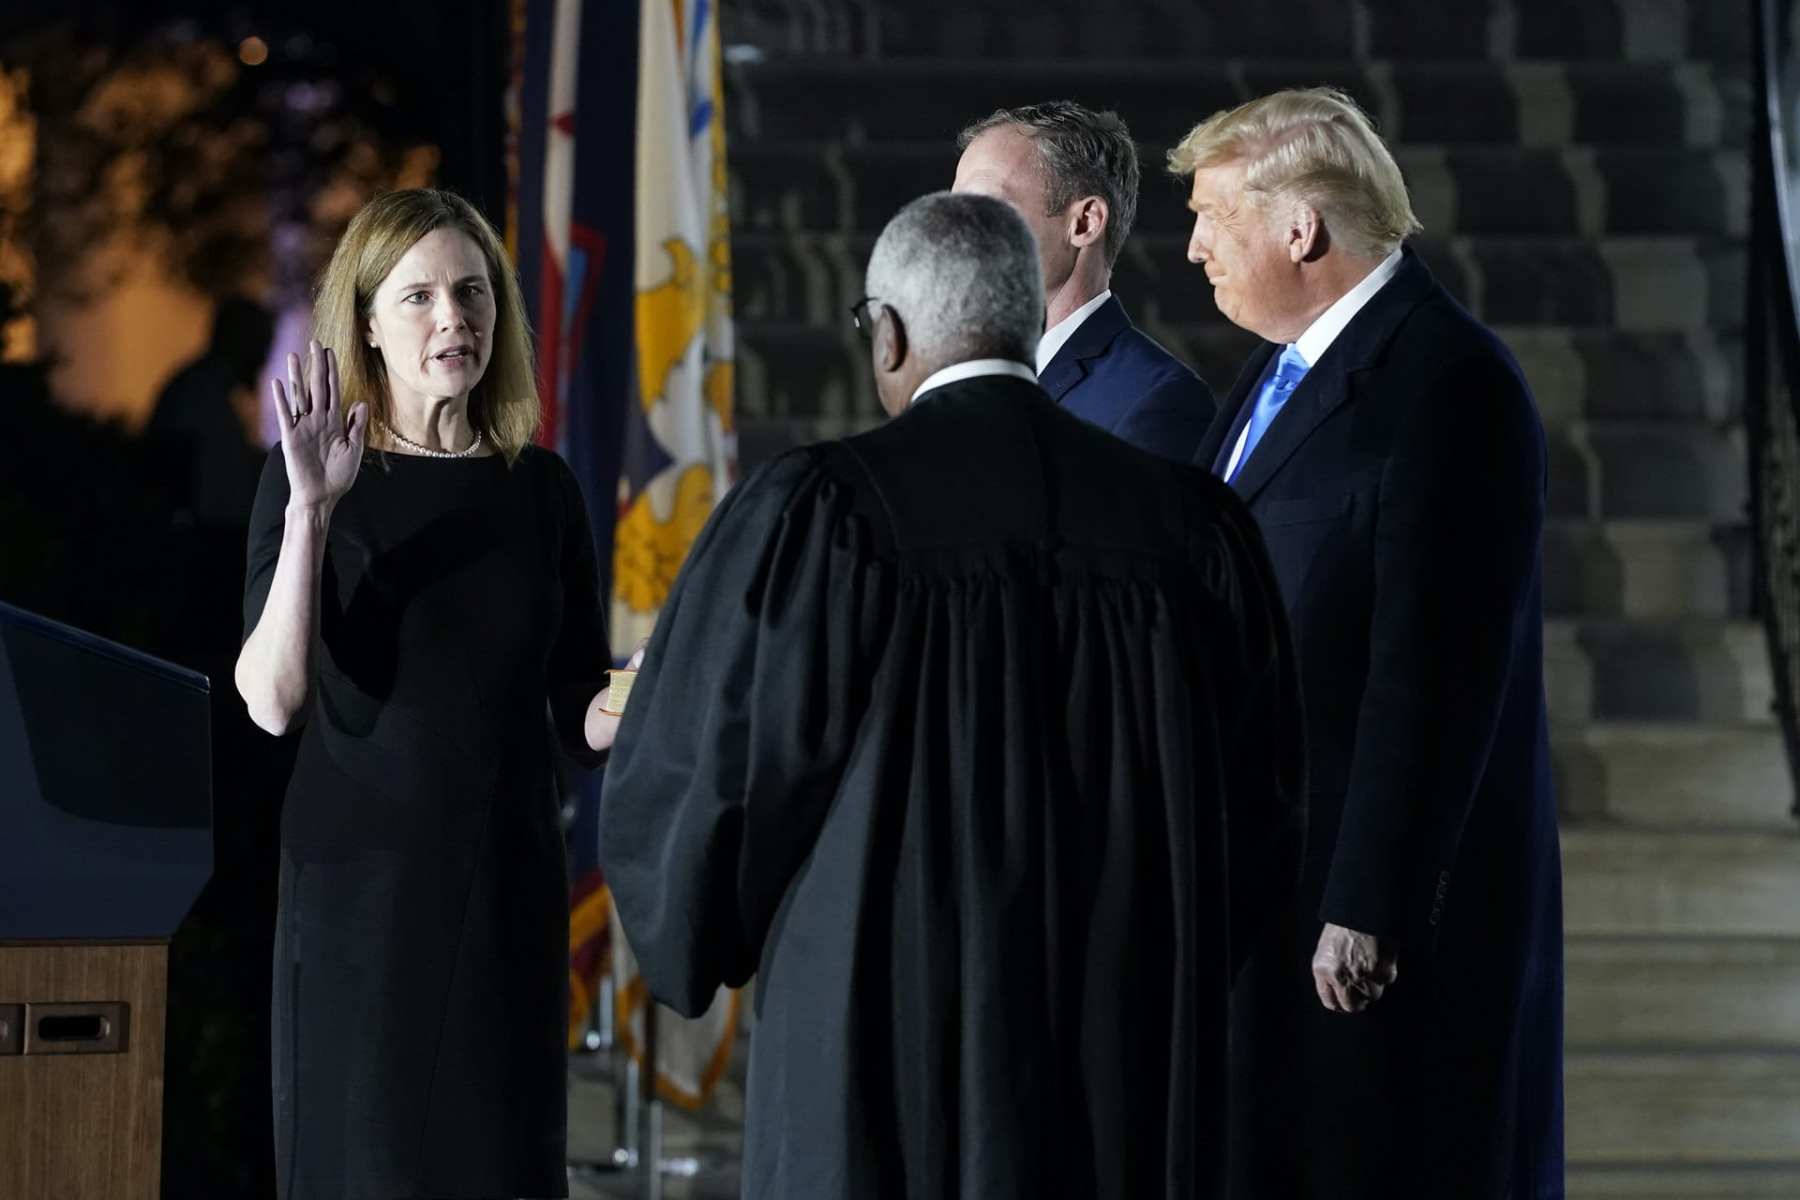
x,y
322,449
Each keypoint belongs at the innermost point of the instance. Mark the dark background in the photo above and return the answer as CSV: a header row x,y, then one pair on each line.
x,y
96,528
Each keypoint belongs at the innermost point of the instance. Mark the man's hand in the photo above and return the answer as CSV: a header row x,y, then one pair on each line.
x,y
602,727
1351,969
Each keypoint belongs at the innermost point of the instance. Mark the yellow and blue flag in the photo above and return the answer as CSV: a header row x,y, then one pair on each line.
x,y
680,447
622,236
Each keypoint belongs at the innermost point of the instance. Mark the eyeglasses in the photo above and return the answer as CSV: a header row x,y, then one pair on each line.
x,y
863,317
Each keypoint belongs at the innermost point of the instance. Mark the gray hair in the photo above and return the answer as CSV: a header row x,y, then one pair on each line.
x,y
962,272
1083,153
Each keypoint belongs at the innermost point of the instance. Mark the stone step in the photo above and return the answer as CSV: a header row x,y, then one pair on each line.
x,y
792,391
1679,1108
1674,993
1596,374
1638,883
1577,190
1570,191
802,372
1611,375
1673,775
1718,1181
1689,670
1633,30
1626,284
1546,104
1646,570
1600,470
1690,474
1619,470
1683,287
809,368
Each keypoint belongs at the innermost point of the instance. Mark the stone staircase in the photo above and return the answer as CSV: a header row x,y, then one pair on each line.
x,y
1580,167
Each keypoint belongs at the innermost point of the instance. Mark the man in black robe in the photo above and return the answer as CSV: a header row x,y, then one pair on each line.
x,y
976,738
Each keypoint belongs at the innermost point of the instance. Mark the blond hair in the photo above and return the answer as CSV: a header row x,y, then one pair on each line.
x,y
1316,146
504,405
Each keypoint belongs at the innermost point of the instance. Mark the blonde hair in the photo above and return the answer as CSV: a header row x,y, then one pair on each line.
x,y
1316,146
504,405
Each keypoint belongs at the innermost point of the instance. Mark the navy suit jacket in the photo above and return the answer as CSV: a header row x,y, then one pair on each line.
x,y
1112,374
1401,492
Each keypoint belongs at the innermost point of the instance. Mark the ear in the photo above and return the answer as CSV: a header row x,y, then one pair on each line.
x,y
890,340
1305,234
1087,224
369,333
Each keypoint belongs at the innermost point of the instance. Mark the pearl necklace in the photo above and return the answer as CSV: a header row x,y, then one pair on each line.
x,y
397,436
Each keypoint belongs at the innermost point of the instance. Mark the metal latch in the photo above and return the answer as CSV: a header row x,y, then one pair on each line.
x,y
96,1028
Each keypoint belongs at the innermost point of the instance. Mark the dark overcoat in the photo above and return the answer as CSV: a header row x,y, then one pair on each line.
x,y
1401,493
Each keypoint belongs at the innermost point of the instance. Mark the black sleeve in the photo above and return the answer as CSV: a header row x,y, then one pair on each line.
x,y
1457,538
736,734
581,657
1264,741
268,518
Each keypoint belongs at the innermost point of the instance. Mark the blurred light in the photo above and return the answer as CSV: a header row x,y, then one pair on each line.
x,y
253,52
293,328
310,97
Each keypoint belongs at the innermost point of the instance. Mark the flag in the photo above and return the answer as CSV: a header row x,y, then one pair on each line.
x,y
622,232
571,130
679,444
680,448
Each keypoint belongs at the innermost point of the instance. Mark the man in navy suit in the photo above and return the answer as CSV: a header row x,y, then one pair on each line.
x,y
1073,175
1399,1032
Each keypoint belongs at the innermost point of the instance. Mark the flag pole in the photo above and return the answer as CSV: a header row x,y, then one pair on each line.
x,y
651,1106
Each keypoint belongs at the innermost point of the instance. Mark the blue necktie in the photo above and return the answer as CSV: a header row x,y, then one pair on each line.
x,y
1290,369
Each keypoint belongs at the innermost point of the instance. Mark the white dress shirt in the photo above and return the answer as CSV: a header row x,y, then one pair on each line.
x,y
1056,337
971,369
1321,333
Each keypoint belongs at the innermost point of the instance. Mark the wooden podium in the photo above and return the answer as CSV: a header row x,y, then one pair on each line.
x,y
105,841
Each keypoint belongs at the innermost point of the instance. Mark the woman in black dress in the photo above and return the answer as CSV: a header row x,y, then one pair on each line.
x,y
421,583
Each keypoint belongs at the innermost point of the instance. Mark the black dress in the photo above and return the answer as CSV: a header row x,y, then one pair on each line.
x,y
422,946
977,738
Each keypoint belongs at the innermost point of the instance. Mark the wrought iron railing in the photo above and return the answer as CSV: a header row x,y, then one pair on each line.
x,y
1772,393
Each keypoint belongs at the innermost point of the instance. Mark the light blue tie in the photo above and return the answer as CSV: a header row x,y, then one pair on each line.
x,y
1290,369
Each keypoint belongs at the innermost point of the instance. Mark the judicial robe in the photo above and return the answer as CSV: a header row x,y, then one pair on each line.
x,y
976,738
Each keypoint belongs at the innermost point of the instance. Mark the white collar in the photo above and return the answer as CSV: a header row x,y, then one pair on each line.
x,y
972,368
1321,333
1058,335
